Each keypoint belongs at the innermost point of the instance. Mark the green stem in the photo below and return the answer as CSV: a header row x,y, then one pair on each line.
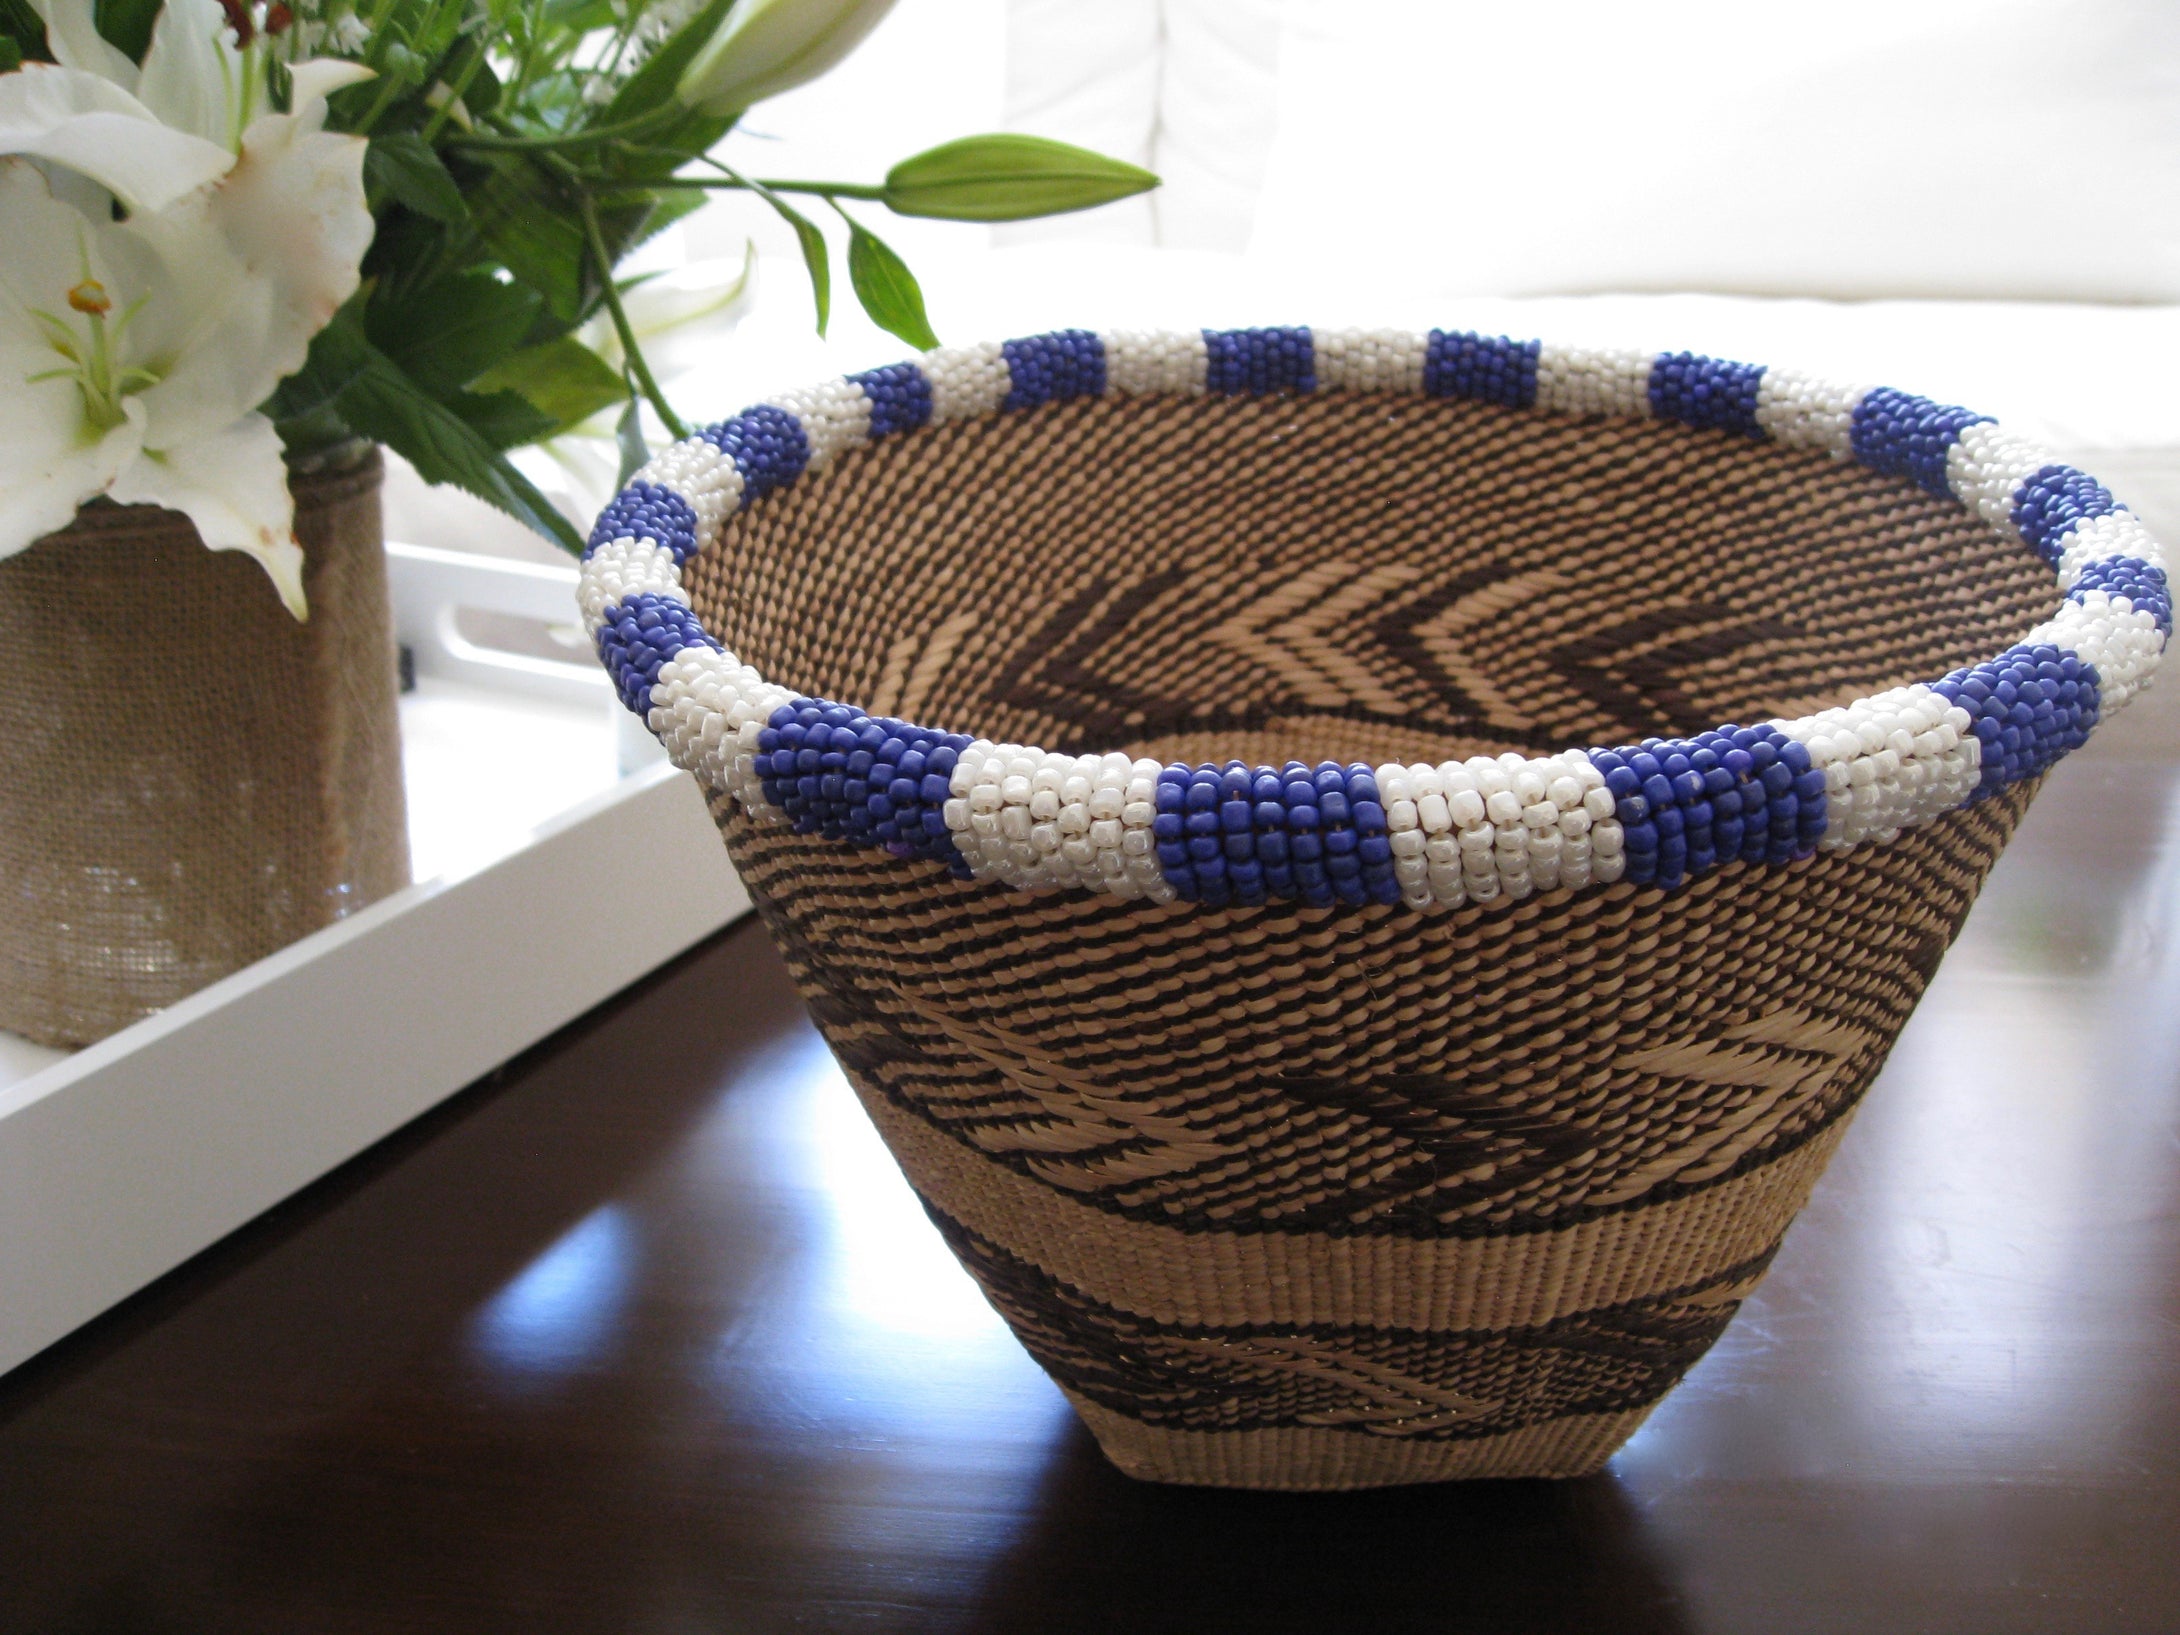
x,y
455,92
389,86
826,190
570,139
630,349
745,184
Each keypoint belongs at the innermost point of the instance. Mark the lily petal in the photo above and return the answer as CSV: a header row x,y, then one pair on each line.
x,y
52,458
291,228
316,78
52,463
82,122
233,485
71,31
193,78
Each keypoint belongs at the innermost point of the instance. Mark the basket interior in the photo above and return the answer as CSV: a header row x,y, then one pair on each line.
x,y
1352,576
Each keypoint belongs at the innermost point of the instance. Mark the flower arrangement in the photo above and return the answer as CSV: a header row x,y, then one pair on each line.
x,y
250,235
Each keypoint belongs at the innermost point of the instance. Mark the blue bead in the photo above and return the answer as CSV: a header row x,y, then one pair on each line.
x,y
1256,361
899,396
1903,436
1483,369
650,511
1706,392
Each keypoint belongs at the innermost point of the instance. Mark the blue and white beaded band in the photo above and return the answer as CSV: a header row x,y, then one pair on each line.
x,y
1656,813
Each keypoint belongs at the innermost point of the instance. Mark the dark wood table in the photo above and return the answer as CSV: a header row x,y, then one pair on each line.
x,y
645,1333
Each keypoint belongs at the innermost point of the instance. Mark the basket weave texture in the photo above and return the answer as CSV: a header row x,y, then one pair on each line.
x,y
1320,1194
195,779
1325,1197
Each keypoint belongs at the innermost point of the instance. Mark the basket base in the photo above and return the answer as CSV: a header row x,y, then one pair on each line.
x,y
1313,1459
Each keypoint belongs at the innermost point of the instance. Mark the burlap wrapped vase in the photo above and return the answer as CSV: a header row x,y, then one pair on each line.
x,y
1362,875
194,779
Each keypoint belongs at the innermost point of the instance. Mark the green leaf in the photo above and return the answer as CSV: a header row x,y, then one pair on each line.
x,y
532,225
564,380
450,331
652,85
22,25
580,16
1009,178
815,256
379,400
126,25
503,419
385,404
887,289
403,166
11,54
482,94
337,355
668,208
629,434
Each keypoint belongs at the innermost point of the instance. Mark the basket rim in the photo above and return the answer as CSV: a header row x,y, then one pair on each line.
x,y
1654,814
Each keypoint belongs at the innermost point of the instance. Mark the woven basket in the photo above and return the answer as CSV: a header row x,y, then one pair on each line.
x,y
1336,1072
194,779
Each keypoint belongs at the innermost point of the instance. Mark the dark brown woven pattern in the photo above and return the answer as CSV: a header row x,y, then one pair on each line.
x,y
1412,1383
1362,576
193,778
1297,1197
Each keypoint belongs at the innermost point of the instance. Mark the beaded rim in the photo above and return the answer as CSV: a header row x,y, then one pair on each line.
x,y
1656,813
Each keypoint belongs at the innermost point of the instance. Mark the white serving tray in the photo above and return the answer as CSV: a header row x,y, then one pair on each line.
x,y
535,825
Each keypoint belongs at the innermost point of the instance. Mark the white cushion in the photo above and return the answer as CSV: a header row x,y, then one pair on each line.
x,y
1972,148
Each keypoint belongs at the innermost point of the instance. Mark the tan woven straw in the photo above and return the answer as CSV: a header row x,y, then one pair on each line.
x,y
1305,1197
1363,874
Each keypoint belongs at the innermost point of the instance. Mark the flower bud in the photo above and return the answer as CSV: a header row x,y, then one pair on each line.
x,y
769,46
1008,177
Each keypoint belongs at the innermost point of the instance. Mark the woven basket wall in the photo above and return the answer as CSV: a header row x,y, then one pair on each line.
x,y
1326,1197
194,778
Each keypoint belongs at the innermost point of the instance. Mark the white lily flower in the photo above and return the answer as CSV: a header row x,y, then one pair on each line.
x,y
134,354
93,127
769,46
